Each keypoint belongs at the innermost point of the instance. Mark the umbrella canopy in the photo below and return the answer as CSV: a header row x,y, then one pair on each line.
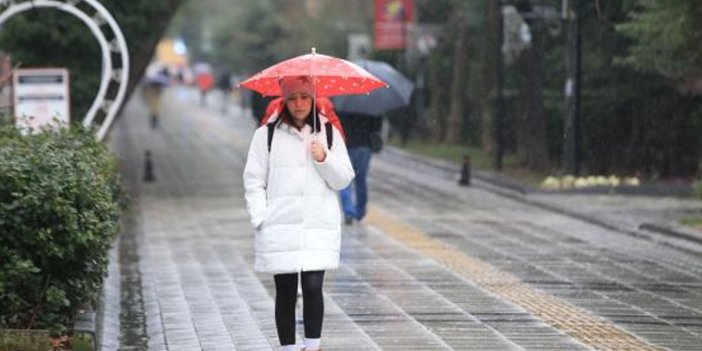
x,y
378,101
330,75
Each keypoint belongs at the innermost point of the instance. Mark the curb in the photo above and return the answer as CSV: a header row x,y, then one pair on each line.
x,y
673,231
647,189
502,186
454,168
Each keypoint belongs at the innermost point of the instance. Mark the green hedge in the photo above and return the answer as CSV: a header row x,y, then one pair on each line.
x,y
60,202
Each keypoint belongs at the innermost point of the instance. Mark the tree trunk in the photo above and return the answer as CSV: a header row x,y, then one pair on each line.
x,y
436,107
531,122
142,52
490,49
460,61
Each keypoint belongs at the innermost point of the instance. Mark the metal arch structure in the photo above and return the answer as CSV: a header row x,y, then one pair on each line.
x,y
95,16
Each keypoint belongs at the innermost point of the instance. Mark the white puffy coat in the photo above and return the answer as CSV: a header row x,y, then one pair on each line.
x,y
292,199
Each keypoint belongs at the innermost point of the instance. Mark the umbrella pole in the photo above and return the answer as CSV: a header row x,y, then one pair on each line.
x,y
314,95
314,106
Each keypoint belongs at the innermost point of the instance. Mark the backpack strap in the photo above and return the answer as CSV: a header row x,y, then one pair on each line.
x,y
271,129
327,127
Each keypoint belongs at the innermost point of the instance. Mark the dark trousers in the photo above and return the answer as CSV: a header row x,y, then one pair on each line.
x,y
312,305
354,198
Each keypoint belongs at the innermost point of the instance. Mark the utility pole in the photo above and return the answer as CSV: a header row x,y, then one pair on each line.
x,y
499,90
571,127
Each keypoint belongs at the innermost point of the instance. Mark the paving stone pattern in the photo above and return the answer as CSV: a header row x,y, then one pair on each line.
x,y
200,293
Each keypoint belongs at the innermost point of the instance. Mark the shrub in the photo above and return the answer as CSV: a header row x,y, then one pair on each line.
x,y
698,188
24,340
60,202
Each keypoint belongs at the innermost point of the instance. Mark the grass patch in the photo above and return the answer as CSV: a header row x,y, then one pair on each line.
x,y
453,153
479,159
526,176
692,222
24,340
82,343
38,340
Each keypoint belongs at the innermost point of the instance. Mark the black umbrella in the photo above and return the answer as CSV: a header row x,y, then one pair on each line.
x,y
379,101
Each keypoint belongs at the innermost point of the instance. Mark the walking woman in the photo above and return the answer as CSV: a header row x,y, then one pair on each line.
x,y
293,172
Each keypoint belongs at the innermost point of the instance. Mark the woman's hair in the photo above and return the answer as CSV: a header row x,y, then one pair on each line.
x,y
286,117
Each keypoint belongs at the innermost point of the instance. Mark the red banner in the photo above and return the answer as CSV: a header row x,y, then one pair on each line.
x,y
391,18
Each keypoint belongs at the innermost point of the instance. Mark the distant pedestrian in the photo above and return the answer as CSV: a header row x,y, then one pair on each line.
x,y
362,138
155,81
224,84
291,179
205,82
259,104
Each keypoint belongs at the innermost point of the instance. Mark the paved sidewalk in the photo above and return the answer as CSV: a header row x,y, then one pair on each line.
x,y
435,267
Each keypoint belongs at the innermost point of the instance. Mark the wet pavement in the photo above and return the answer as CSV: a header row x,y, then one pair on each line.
x,y
433,267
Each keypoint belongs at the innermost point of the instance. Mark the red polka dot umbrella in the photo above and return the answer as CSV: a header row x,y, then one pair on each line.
x,y
331,76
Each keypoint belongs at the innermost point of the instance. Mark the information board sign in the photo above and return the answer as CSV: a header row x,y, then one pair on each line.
x,y
41,97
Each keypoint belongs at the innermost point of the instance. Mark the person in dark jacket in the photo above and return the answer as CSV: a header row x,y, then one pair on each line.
x,y
224,84
258,105
361,133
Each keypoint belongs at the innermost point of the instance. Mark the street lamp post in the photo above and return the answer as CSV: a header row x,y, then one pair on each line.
x,y
571,127
499,91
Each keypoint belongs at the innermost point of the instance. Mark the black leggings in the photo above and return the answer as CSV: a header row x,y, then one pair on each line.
x,y
312,305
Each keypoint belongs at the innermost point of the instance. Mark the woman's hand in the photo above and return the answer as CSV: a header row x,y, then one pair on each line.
x,y
318,152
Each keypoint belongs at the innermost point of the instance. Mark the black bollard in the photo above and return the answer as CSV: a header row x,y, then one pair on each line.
x,y
465,172
148,167
154,121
